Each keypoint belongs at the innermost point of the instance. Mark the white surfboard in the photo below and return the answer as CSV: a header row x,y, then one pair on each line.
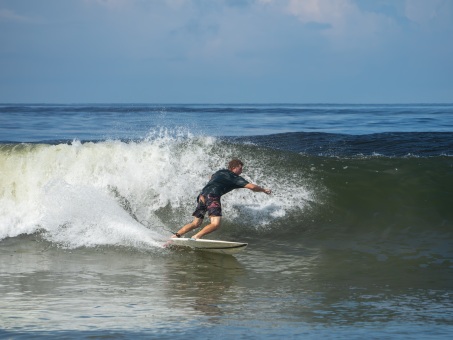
x,y
214,246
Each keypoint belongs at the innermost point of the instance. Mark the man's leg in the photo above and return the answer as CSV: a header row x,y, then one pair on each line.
x,y
215,223
190,226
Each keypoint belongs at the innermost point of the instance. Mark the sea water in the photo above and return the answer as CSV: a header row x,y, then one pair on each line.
x,y
356,240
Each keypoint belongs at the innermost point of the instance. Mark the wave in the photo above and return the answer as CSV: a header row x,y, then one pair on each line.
x,y
89,194
391,144
134,193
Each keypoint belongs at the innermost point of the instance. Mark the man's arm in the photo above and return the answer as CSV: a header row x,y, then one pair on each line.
x,y
257,188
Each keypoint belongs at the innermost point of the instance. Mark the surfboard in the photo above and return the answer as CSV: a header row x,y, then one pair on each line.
x,y
214,246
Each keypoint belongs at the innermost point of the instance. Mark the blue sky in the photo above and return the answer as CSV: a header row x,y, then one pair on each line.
x,y
226,51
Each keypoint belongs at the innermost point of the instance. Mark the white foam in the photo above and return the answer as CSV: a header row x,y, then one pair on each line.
x,y
90,194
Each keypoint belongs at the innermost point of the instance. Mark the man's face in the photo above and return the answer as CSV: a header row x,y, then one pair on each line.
x,y
237,170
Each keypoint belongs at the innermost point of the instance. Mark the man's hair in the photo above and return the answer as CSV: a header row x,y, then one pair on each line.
x,y
234,163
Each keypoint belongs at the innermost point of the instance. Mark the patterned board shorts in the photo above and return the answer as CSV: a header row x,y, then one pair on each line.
x,y
212,206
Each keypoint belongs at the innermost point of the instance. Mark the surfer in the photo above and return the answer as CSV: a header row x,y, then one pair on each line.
x,y
221,182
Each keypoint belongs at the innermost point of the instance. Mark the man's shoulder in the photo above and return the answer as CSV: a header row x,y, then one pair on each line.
x,y
224,172
226,175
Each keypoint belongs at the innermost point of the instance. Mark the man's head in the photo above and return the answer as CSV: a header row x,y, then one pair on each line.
x,y
235,165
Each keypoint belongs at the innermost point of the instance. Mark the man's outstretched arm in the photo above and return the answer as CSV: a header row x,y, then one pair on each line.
x,y
257,188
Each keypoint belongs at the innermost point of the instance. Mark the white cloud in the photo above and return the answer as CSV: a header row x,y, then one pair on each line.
x,y
346,17
341,21
122,4
8,15
111,4
425,12
334,13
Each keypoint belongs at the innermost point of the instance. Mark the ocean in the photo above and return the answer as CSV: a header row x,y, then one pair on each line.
x,y
356,240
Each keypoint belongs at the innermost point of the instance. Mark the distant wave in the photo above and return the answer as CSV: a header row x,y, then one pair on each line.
x,y
393,144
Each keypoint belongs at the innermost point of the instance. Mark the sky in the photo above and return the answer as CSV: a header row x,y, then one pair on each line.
x,y
226,51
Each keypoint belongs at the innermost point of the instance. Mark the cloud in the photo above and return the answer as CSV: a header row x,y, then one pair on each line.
x,y
342,22
346,16
11,16
321,11
358,24
122,4
426,12
111,4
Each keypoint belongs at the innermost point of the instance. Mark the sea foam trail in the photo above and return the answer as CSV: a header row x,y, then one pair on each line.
x,y
89,194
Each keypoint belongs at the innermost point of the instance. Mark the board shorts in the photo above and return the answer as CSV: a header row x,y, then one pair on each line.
x,y
211,205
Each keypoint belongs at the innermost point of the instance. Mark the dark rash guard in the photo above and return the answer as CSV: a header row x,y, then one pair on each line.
x,y
222,182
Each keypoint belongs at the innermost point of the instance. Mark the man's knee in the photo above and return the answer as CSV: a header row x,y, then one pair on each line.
x,y
197,222
215,221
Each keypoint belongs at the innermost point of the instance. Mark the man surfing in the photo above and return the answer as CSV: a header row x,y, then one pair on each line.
x,y
221,182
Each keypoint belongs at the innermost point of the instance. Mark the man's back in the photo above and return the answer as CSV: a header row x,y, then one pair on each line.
x,y
222,182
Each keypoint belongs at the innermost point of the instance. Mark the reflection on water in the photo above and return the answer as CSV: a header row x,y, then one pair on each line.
x,y
266,291
110,287
202,281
